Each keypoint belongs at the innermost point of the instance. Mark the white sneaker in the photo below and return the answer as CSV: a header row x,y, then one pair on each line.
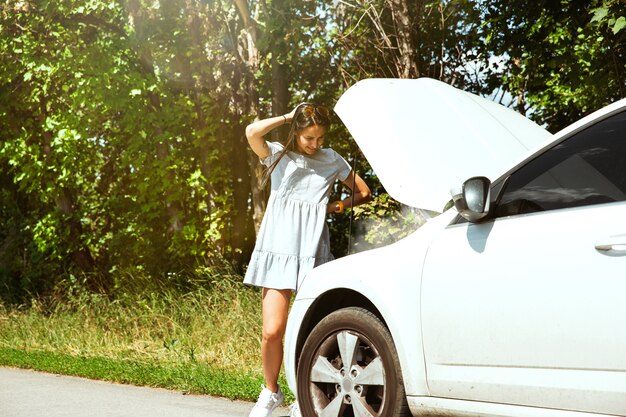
x,y
294,410
268,401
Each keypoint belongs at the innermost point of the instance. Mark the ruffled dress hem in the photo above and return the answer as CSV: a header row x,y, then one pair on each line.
x,y
281,271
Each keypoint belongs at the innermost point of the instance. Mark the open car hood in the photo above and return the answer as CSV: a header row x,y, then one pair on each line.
x,y
423,137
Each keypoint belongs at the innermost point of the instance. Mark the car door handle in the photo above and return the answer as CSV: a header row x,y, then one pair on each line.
x,y
613,249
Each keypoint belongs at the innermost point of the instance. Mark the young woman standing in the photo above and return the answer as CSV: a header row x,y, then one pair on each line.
x,y
293,238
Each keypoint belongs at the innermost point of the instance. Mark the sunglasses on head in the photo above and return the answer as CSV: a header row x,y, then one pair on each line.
x,y
309,109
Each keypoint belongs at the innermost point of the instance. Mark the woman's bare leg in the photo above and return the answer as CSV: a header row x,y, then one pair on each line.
x,y
275,311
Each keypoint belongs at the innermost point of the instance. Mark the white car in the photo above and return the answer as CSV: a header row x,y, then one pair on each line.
x,y
510,303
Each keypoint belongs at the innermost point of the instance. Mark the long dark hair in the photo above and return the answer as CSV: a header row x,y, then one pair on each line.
x,y
307,114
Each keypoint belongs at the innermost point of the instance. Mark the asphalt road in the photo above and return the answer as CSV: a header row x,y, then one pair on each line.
x,y
26,393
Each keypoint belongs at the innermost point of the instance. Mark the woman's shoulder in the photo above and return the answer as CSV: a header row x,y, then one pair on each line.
x,y
332,154
275,149
339,163
330,157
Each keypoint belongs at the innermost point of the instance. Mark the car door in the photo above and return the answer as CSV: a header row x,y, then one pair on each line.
x,y
529,307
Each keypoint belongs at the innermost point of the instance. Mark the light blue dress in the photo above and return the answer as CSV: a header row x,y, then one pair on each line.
x,y
293,238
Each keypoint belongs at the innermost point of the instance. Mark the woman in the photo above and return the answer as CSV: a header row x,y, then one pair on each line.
x,y
293,237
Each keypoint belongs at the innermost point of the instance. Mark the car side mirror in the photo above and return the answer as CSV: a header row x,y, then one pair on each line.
x,y
472,202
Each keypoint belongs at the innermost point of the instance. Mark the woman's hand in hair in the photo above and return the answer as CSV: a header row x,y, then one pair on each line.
x,y
289,116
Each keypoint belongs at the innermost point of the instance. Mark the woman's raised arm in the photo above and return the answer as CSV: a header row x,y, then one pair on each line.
x,y
255,132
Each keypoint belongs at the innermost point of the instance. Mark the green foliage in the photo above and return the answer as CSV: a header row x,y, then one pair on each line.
x,y
383,221
560,60
110,160
122,121
610,13
380,222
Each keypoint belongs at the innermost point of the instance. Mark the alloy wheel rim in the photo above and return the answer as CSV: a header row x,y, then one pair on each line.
x,y
347,377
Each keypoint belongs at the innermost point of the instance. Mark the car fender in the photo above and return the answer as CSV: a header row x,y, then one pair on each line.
x,y
386,277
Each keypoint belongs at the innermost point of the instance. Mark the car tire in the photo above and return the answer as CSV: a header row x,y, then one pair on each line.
x,y
370,385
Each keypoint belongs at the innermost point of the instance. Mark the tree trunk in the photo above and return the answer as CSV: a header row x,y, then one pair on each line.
x,y
249,53
81,255
243,231
280,84
406,61
280,95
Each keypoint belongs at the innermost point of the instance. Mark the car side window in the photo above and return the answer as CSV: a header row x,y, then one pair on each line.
x,y
587,168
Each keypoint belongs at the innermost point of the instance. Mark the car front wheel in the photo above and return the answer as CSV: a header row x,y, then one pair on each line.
x,y
349,367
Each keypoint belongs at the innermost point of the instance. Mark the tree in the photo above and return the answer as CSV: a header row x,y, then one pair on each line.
x,y
49,128
122,122
559,60
409,39
111,139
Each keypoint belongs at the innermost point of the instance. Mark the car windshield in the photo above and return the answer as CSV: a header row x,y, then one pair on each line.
x,y
583,170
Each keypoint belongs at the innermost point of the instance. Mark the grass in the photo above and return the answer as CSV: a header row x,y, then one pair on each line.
x,y
188,378
192,335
